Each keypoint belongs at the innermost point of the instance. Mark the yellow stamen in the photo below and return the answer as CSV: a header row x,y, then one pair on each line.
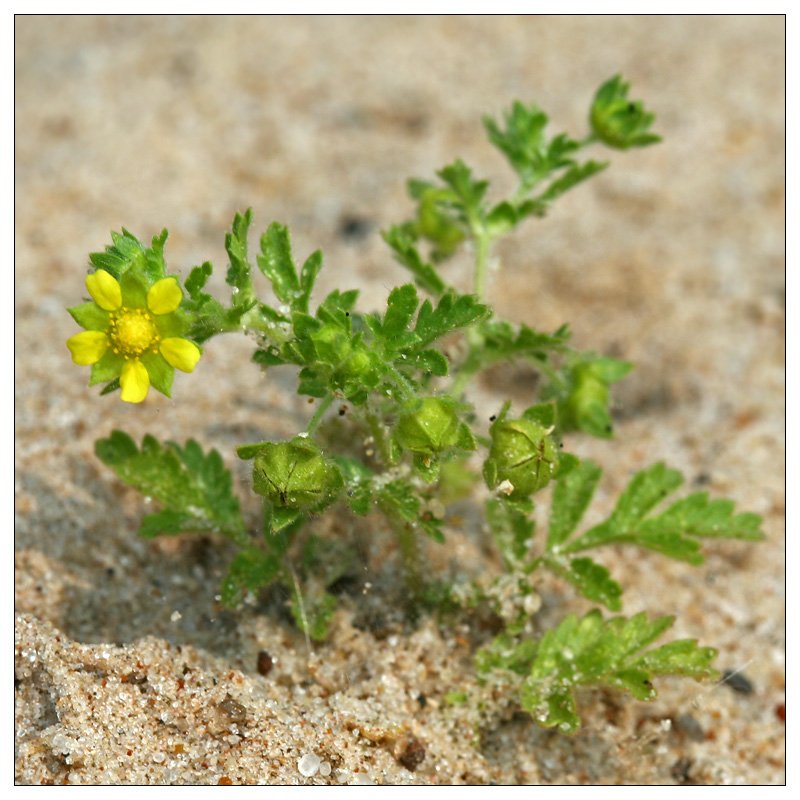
x,y
133,332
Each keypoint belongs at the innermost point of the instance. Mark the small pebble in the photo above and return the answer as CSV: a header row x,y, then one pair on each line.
x,y
738,682
690,728
325,769
264,662
308,764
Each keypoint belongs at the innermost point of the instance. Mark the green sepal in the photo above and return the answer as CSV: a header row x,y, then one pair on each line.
x,y
427,467
160,372
112,386
543,413
428,426
466,439
134,288
280,517
90,316
107,368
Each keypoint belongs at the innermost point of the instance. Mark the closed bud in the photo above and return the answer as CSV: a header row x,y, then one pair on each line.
x,y
295,474
618,122
428,426
523,458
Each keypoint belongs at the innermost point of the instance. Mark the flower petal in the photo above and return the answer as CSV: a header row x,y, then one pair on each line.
x,y
180,353
134,381
164,296
104,290
87,347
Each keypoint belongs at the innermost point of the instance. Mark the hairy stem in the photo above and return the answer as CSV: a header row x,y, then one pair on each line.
x,y
409,553
314,422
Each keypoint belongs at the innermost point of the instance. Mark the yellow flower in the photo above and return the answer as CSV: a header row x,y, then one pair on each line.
x,y
134,332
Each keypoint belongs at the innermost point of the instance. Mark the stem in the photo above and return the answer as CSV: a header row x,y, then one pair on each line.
x,y
313,423
407,542
482,243
379,433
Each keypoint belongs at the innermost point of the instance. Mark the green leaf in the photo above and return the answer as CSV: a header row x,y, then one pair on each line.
x,y
196,281
593,580
195,488
251,570
468,192
402,304
512,531
501,219
275,261
238,275
358,484
594,651
344,301
575,175
571,498
525,144
406,253
504,341
126,252
453,312
673,532
399,498
313,610
504,652
308,276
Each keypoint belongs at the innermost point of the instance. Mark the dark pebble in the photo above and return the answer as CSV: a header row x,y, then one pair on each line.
x,y
687,725
737,681
263,662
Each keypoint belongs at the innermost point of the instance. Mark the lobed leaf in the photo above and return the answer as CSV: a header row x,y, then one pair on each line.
x,y
196,489
594,651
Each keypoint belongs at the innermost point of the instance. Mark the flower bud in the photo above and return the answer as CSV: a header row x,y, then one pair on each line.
x,y
586,407
428,426
522,454
295,474
618,122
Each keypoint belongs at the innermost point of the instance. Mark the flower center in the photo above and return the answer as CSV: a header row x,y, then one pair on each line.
x,y
132,331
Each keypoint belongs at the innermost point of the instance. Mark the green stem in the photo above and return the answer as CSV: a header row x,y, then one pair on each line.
x,y
313,423
409,554
380,434
482,244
